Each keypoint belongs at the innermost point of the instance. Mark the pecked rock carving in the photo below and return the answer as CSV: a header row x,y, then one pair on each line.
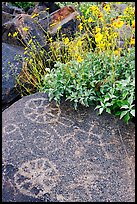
x,y
56,156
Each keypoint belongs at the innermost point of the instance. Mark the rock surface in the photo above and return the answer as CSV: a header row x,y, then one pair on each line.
x,y
53,153
7,7
9,92
6,17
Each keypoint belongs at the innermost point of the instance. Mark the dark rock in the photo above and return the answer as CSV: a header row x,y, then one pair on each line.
x,y
51,5
9,92
54,153
6,17
8,8
30,10
10,27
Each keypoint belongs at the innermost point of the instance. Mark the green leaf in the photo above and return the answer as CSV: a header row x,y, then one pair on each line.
x,y
132,112
127,117
106,99
123,114
108,110
118,113
130,100
125,107
108,104
101,110
98,106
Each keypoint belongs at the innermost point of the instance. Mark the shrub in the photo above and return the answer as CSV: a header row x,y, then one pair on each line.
x,y
93,81
89,68
24,5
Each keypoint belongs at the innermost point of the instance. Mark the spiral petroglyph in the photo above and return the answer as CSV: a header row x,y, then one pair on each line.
x,y
37,177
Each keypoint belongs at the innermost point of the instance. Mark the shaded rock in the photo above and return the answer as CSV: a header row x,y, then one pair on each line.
x,y
9,92
9,27
59,154
30,10
6,17
50,7
8,8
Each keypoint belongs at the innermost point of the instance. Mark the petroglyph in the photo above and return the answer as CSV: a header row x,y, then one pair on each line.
x,y
37,177
69,159
41,111
11,130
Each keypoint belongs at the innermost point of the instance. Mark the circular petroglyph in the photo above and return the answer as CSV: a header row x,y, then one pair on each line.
x,y
39,110
36,177
10,131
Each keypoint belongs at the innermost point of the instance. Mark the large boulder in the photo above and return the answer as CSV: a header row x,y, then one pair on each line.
x,y
11,68
56,154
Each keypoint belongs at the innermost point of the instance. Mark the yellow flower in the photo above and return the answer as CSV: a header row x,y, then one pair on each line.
x,y
51,25
126,10
94,8
9,34
90,20
79,43
30,61
132,41
129,10
78,17
115,34
15,34
97,29
80,26
116,52
34,15
25,52
101,45
30,41
50,39
107,8
119,17
100,16
25,29
59,28
133,24
66,40
79,59
98,37
118,24
107,33
64,35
